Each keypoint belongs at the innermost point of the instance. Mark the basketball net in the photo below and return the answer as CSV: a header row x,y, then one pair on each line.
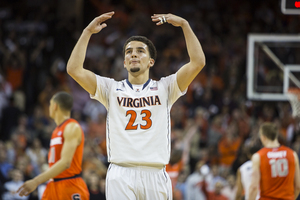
x,y
294,98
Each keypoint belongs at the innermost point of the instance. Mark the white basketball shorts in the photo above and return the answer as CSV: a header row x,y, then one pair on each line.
x,y
137,183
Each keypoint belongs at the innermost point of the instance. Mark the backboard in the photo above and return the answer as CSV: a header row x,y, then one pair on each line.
x,y
273,65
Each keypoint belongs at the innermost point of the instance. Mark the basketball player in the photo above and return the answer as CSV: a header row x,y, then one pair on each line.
x,y
64,158
244,175
275,168
138,118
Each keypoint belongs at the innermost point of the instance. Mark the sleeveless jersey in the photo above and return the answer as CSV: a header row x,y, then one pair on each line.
x,y
277,169
138,119
56,144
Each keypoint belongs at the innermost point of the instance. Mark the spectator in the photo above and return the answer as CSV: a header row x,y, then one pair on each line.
x,y
213,177
13,185
174,168
216,195
229,190
5,167
9,122
37,155
34,48
5,93
229,145
215,132
95,186
195,184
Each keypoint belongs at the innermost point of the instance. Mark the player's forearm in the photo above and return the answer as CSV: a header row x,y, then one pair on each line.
x,y
55,170
252,192
76,60
193,46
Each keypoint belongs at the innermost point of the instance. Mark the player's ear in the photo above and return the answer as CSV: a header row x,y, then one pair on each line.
x,y
55,105
124,64
151,62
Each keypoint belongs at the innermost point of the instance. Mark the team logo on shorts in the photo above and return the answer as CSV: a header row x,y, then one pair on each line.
x,y
76,197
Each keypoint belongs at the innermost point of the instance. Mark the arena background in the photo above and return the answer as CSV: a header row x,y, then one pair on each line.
x,y
214,123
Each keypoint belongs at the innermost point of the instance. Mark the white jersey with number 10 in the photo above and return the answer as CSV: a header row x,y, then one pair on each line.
x,y
138,125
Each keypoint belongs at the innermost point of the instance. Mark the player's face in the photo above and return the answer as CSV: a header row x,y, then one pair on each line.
x,y
137,57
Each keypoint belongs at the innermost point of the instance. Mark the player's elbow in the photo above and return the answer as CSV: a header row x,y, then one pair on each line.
x,y
74,72
73,68
202,62
198,64
70,69
67,164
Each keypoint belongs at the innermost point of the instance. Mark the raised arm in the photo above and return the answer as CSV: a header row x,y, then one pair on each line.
x,y
189,71
72,138
75,69
253,189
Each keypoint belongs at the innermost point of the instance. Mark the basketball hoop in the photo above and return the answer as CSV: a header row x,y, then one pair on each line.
x,y
294,97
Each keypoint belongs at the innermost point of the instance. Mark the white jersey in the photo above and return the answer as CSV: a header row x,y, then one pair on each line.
x,y
138,119
246,174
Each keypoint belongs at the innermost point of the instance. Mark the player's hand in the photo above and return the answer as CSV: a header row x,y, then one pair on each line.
x,y
27,188
97,24
168,18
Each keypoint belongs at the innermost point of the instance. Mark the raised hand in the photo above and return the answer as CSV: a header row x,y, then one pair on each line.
x,y
168,18
97,24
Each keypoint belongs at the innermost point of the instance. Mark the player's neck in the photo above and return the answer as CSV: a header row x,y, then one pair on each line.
x,y
61,117
272,144
138,80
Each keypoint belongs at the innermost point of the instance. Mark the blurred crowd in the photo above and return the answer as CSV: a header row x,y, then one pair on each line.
x,y
213,125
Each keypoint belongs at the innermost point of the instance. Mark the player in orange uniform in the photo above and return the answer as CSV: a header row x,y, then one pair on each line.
x,y
275,168
65,156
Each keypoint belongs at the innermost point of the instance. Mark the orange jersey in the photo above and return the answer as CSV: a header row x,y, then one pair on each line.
x,y
56,145
277,169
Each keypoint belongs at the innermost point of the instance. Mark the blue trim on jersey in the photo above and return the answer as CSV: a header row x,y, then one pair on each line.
x,y
127,81
145,85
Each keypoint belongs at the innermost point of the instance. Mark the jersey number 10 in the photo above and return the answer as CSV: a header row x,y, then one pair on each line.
x,y
279,167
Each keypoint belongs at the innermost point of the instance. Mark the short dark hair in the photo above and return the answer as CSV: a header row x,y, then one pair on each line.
x,y
269,130
143,39
64,100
